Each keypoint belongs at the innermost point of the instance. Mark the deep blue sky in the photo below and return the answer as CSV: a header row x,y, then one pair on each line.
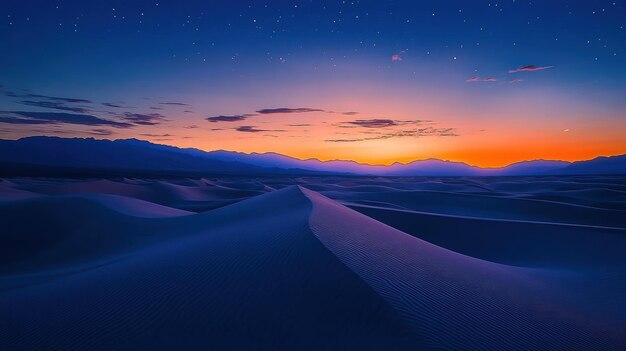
x,y
236,57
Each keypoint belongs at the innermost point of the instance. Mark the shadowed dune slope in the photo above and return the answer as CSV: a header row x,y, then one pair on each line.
x,y
187,196
50,232
497,207
519,243
256,278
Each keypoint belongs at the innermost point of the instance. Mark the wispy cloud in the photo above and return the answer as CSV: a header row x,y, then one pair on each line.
x,y
418,132
396,57
253,129
232,118
288,110
54,105
431,131
114,105
174,103
16,120
46,97
381,123
530,68
149,119
156,135
63,99
479,79
27,117
100,132
374,123
50,102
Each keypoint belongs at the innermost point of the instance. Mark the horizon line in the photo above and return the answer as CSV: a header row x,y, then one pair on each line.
x,y
320,160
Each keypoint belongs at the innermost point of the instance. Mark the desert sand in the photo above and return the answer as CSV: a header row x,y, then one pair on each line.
x,y
313,263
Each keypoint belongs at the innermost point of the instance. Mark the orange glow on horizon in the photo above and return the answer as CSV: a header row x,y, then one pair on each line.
x,y
424,124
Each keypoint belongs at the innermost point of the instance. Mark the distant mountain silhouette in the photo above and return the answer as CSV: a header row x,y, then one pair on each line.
x,y
598,165
128,154
531,167
133,154
429,167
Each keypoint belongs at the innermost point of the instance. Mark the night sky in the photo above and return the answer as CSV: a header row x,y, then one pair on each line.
x,y
484,82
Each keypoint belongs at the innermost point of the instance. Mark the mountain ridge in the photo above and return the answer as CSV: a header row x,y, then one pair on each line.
x,y
139,154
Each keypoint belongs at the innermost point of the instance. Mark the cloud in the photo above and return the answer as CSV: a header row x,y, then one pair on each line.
x,y
101,132
156,135
396,57
288,110
418,132
479,79
27,117
54,105
381,123
193,126
267,111
516,81
50,102
350,113
110,104
149,119
174,103
53,98
63,99
233,118
15,120
431,131
530,68
50,131
253,129
12,94
374,123
298,125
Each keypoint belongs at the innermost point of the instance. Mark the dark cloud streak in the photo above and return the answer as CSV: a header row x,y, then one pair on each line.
x,y
288,110
253,129
150,119
530,68
54,105
233,118
27,117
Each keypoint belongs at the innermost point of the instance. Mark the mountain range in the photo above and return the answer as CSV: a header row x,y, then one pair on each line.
x,y
140,155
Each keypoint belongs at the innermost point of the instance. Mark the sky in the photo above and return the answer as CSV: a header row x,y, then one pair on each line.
x,y
488,83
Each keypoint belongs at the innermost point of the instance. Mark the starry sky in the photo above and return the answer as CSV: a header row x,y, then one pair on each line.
x,y
484,82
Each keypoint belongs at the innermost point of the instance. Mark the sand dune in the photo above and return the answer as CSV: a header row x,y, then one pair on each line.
x,y
262,281
519,243
193,196
294,269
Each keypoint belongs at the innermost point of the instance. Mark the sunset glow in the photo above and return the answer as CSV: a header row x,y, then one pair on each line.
x,y
365,82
